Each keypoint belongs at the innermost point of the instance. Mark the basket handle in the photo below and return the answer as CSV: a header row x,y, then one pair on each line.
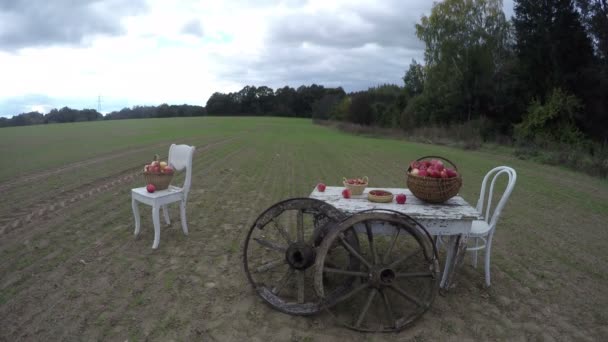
x,y
435,157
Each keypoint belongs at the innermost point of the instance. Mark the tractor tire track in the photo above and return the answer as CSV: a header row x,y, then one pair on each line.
x,y
63,200
46,173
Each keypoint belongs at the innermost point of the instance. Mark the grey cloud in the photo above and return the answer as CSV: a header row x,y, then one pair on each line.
x,y
27,23
193,27
392,24
356,47
354,69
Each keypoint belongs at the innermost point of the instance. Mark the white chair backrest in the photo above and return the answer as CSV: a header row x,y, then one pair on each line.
x,y
492,218
180,157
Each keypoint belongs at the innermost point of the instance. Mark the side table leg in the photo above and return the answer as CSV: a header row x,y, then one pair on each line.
x,y
456,249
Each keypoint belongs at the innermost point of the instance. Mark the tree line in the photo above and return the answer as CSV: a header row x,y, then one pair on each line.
x,y
67,114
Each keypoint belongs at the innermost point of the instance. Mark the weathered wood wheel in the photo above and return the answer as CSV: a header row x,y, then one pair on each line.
x,y
280,250
398,275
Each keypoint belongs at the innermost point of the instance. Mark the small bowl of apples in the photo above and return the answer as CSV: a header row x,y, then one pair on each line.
x,y
159,173
355,185
380,196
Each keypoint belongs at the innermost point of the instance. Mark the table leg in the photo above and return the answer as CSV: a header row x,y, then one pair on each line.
x,y
456,248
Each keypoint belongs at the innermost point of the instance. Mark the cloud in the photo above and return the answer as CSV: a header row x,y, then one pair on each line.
x,y
193,27
386,23
30,23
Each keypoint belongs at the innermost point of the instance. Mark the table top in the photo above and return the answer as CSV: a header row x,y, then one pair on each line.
x,y
456,208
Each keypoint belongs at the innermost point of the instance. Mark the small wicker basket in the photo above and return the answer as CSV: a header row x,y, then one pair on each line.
x,y
434,190
161,181
355,189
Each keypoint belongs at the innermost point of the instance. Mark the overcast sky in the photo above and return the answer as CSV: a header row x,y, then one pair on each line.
x,y
56,53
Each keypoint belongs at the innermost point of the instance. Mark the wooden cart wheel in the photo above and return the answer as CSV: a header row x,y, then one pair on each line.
x,y
398,275
280,250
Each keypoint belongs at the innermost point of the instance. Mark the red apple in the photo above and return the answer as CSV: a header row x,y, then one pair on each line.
x,y
150,188
415,164
400,199
451,173
321,187
423,173
439,167
168,170
443,174
346,193
434,173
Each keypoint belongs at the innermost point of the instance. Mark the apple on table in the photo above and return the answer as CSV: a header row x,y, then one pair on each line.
x,y
346,193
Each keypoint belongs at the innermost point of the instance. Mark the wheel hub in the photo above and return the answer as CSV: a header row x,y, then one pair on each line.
x,y
381,277
300,256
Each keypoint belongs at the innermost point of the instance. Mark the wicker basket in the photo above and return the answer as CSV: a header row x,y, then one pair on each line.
x,y
386,198
161,181
354,188
434,190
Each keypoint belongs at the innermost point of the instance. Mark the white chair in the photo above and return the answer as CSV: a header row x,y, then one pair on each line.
x,y
484,229
180,157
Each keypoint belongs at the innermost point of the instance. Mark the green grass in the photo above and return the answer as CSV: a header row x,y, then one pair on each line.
x,y
549,249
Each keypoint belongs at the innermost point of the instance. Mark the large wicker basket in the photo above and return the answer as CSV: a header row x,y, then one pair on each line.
x,y
434,190
161,181
354,188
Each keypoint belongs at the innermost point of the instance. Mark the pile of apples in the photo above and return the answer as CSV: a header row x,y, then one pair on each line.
x,y
433,168
356,181
158,167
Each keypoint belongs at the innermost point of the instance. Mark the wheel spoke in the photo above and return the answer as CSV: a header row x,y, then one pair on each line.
x,y
415,275
403,259
370,238
300,281
387,307
300,226
283,281
352,251
351,293
270,265
281,231
368,303
405,295
344,272
269,244
390,249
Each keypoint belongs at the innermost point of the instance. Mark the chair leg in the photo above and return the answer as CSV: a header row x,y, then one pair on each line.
x,y
166,214
182,209
487,260
474,254
136,215
156,221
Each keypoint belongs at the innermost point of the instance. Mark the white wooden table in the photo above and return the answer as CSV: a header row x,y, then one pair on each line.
x,y
453,218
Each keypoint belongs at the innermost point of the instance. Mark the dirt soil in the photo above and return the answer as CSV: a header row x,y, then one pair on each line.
x,y
72,270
